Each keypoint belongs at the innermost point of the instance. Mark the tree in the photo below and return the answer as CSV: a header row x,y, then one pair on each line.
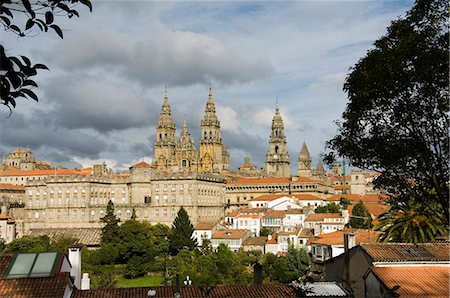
x,y
264,232
412,223
360,218
181,236
15,73
396,121
135,241
329,208
63,243
298,261
110,232
29,244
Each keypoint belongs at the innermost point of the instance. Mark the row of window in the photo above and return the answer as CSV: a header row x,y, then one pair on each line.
x,y
72,202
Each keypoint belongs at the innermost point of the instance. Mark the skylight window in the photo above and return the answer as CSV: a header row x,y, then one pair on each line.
x,y
26,265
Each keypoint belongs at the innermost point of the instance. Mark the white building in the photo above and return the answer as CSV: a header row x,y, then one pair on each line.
x,y
204,230
324,223
7,228
232,238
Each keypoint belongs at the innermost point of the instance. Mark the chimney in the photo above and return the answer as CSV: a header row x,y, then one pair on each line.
x,y
269,237
85,282
75,261
349,241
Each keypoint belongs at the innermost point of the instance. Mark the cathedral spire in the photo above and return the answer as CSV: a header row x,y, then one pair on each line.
x,y
277,157
304,162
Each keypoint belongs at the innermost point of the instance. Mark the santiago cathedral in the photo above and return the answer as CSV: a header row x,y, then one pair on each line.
x,y
180,155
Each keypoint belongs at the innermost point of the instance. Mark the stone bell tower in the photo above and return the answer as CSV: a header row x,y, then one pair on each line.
x,y
165,140
277,157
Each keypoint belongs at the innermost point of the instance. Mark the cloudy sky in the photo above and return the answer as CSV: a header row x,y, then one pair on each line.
x,y
102,98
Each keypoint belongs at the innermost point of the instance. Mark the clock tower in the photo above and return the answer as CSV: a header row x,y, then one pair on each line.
x,y
277,158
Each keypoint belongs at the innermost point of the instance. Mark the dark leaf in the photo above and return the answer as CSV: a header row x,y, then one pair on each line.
x,y
87,3
15,28
5,20
16,61
4,10
29,24
12,102
29,83
74,12
15,79
26,60
27,6
57,30
30,94
40,66
63,7
48,17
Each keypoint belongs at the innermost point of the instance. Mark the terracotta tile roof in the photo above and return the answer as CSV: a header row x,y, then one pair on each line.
x,y
244,181
205,225
232,214
340,178
266,198
229,234
275,214
337,238
3,217
142,164
48,287
404,252
341,187
350,197
374,198
374,208
294,211
307,197
304,179
10,221
416,281
11,186
322,216
38,172
246,215
88,236
252,210
306,233
219,291
255,241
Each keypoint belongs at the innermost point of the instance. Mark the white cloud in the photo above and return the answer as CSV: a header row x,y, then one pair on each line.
x,y
228,119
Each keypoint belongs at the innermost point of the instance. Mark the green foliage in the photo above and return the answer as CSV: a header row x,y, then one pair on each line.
x,y
298,261
181,236
107,254
2,245
361,218
206,247
110,231
264,232
329,208
136,267
135,241
276,269
29,244
344,203
146,281
397,119
63,243
15,75
412,223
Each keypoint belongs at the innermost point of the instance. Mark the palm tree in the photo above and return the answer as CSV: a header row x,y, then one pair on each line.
x,y
410,222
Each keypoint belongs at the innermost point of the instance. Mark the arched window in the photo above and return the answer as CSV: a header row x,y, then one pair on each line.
x,y
276,149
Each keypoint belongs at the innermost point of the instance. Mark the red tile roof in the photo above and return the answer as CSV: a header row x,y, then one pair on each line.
x,y
307,197
255,241
266,198
205,225
38,172
244,181
337,238
219,291
416,281
142,164
374,208
404,252
322,216
350,197
11,186
229,234
304,179
275,214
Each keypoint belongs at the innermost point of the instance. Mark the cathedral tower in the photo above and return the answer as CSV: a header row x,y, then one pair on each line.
x,y
165,141
304,162
186,155
213,154
277,158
